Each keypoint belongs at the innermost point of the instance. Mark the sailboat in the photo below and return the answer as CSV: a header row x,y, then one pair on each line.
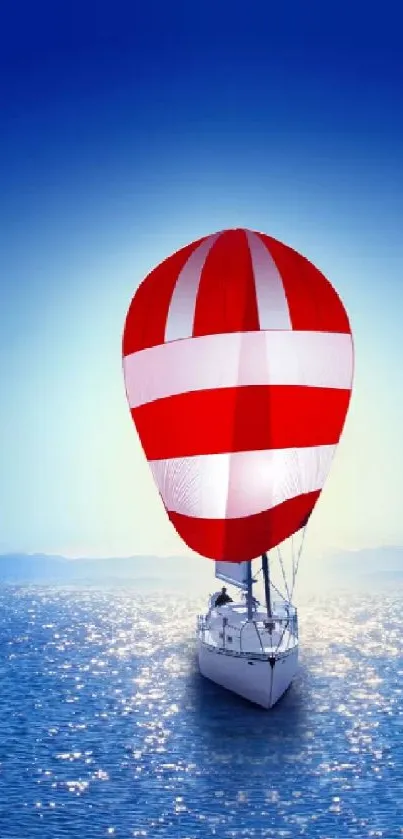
x,y
246,647
238,368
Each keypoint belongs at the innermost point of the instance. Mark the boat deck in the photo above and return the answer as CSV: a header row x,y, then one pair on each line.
x,y
227,629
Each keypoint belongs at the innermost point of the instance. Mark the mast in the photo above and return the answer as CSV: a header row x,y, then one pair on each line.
x,y
266,579
249,591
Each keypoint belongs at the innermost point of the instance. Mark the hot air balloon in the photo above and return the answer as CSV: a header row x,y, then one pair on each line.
x,y
238,366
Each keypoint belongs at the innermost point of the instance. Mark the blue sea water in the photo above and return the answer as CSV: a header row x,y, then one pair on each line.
x,y
107,729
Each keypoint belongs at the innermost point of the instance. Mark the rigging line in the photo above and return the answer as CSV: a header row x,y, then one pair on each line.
x,y
294,566
283,572
293,554
286,625
282,635
276,590
300,550
295,570
295,561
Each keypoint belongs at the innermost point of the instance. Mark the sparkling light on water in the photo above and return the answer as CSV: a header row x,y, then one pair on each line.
x,y
107,729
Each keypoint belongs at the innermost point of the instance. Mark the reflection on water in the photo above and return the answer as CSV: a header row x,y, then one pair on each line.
x,y
107,729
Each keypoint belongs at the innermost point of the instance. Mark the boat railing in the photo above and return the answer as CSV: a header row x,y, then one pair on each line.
x,y
279,625
257,633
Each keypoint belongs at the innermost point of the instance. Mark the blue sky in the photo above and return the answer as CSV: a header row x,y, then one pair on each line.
x,y
127,131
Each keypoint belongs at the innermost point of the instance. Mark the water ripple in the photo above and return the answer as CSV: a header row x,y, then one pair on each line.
x,y
107,729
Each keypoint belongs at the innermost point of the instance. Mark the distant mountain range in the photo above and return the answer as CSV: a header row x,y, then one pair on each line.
x,y
383,564
141,570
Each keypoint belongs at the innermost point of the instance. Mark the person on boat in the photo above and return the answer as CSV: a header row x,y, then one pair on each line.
x,y
222,598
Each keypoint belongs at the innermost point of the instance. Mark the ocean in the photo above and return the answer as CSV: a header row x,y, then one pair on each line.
x,y
108,730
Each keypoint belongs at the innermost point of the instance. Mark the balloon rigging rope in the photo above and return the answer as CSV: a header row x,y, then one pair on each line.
x,y
280,559
296,563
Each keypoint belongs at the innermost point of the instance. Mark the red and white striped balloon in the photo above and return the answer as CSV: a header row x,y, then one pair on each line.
x,y
238,365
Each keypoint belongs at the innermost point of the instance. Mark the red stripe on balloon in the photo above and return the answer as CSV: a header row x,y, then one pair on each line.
x,y
237,540
226,299
148,311
313,302
237,419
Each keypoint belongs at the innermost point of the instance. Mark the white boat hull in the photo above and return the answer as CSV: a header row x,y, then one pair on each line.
x,y
255,679
254,658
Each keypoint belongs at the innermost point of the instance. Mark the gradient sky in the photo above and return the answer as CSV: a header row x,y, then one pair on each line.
x,y
128,130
